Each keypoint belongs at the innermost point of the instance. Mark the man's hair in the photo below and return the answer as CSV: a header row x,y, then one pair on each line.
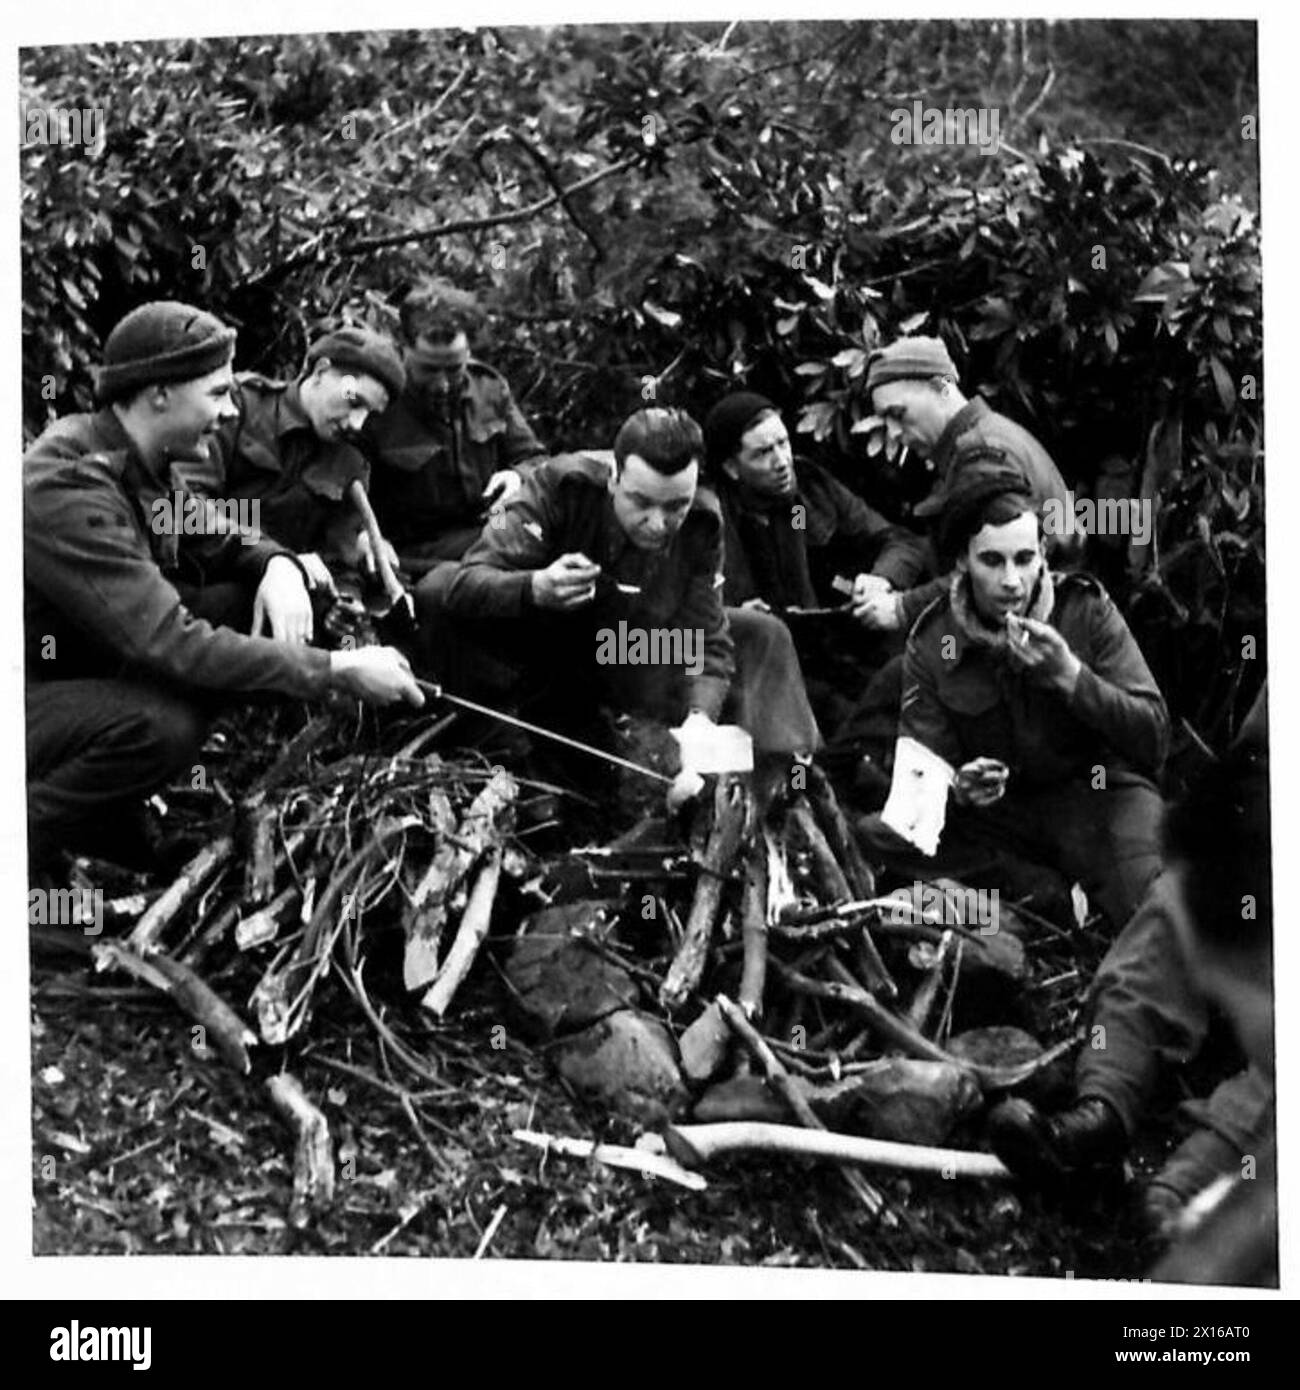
x,y
668,439
960,523
1219,832
439,313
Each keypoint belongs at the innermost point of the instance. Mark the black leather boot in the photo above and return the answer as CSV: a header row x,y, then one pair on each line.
x,y
1088,1138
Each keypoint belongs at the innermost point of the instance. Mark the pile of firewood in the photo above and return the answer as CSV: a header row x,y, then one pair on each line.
x,y
844,996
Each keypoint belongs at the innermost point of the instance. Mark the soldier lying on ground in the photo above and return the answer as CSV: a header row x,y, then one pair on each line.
x,y
1037,672
291,450
1201,938
135,623
791,531
603,582
452,444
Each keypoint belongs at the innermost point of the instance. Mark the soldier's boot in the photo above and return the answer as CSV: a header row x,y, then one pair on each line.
x,y
1086,1140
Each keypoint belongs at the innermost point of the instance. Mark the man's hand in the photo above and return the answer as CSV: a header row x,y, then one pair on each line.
x,y
377,675
365,555
282,603
758,605
1043,653
501,487
878,610
318,575
980,782
566,583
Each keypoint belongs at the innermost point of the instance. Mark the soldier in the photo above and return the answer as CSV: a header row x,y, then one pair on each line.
x,y
796,538
137,610
452,445
1202,936
913,386
609,581
1030,684
291,449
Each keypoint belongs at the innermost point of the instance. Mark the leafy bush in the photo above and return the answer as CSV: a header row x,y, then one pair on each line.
x,y
734,211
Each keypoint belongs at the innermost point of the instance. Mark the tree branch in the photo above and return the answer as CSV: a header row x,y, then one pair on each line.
x,y
465,224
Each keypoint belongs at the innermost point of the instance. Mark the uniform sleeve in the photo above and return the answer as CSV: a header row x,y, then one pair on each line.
x,y
494,578
1116,693
891,551
922,715
913,602
85,556
701,609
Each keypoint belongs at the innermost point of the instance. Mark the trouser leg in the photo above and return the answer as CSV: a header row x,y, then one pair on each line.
x,y
94,747
1109,841
1145,1010
768,699
1233,1126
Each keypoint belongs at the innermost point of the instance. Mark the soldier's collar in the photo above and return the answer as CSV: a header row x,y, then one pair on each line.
x,y
975,631
975,409
292,415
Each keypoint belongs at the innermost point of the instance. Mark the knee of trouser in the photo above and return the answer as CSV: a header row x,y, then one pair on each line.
x,y
759,637
170,733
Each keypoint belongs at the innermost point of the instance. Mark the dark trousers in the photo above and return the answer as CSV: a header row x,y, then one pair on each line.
x,y
97,745
1106,840
94,749
1145,1010
545,664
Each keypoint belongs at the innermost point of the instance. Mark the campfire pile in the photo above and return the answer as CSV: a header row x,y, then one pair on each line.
x,y
732,978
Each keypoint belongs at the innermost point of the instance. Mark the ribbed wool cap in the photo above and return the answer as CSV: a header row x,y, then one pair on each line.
x,y
363,350
725,425
159,342
909,359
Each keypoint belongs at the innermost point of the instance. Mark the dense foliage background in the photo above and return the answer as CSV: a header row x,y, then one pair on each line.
x,y
675,210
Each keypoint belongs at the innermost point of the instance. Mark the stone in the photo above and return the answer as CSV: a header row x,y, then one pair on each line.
x,y
628,1062
705,1046
560,981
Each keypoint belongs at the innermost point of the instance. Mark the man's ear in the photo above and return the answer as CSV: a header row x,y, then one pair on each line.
x,y
731,468
159,398
961,564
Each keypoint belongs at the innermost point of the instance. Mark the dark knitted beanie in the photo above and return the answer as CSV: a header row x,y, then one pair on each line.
x,y
726,424
160,342
363,350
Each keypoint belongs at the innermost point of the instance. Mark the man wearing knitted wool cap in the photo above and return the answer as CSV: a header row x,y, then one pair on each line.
x,y
290,449
913,386
133,626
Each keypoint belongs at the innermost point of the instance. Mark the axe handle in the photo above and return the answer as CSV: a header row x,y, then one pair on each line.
x,y
392,585
708,1141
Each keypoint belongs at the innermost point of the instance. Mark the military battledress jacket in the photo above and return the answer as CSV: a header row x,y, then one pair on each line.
x,y
565,507
101,567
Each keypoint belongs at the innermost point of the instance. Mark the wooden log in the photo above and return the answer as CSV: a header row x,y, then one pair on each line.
x,y
695,1145
923,1001
843,843
837,888
259,864
260,927
313,1160
427,915
654,1165
732,802
903,1036
753,929
474,923
781,1081
229,1035
193,876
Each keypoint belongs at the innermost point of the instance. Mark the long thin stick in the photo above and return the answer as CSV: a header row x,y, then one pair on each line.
x,y
780,1081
